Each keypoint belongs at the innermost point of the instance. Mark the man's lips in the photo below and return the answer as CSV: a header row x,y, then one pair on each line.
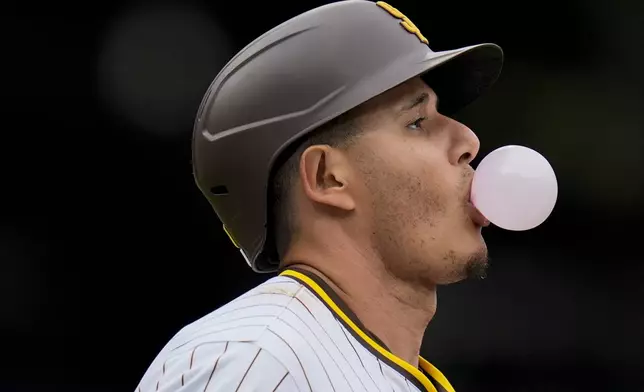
x,y
475,214
477,217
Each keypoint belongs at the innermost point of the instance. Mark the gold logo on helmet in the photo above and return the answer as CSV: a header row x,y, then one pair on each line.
x,y
404,21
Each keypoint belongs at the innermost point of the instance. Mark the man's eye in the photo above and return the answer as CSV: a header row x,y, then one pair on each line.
x,y
417,124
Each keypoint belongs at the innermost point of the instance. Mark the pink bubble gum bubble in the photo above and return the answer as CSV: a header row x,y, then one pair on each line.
x,y
515,188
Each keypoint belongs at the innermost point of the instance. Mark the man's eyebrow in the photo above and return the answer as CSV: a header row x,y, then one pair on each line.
x,y
416,101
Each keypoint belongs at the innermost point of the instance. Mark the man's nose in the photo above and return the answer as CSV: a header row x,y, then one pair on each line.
x,y
465,144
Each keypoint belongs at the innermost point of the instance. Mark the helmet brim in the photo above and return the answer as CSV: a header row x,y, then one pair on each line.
x,y
460,76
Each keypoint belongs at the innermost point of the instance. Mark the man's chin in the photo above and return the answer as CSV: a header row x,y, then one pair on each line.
x,y
471,265
477,264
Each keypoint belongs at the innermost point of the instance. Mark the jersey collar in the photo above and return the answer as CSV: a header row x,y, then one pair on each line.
x,y
419,377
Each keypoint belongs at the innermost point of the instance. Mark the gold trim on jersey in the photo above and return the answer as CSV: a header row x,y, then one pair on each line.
x,y
435,373
423,363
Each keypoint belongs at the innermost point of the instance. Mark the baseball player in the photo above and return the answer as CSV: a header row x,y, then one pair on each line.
x,y
326,150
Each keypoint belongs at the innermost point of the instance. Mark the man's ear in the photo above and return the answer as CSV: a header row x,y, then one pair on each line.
x,y
324,173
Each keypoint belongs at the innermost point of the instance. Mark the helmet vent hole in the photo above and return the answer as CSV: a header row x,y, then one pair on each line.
x,y
219,190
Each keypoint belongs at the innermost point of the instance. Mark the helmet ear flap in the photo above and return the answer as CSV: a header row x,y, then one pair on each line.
x,y
269,257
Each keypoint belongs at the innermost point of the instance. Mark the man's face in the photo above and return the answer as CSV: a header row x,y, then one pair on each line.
x,y
413,181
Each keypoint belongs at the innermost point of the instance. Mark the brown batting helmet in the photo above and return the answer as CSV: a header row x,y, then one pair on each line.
x,y
299,75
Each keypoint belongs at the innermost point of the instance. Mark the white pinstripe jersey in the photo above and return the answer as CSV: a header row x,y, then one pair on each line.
x,y
291,333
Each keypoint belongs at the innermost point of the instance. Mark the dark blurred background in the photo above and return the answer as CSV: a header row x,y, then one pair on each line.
x,y
107,247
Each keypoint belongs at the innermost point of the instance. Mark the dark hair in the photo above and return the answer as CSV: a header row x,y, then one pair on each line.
x,y
340,132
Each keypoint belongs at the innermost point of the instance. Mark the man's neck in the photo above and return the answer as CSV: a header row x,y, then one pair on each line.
x,y
394,311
